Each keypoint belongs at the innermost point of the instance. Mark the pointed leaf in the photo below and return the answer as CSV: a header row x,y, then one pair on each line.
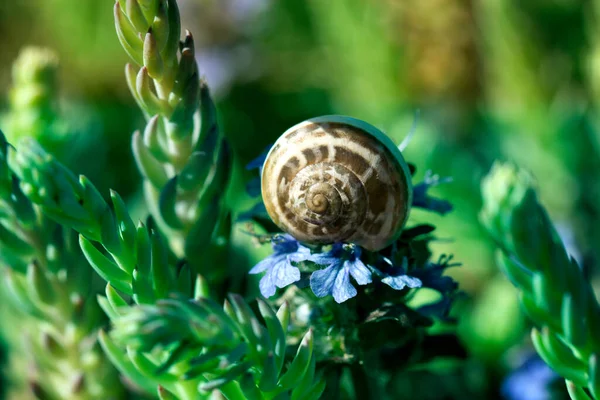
x,y
127,36
168,202
152,58
294,374
551,359
106,268
573,322
231,374
119,359
149,166
108,309
575,392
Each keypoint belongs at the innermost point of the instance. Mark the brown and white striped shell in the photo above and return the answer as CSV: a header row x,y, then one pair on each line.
x,y
337,179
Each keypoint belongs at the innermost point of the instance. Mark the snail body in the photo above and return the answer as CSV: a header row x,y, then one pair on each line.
x,y
337,179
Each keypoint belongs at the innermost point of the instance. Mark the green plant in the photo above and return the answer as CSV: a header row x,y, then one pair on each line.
x,y
181,152
166,276
554,292
45,277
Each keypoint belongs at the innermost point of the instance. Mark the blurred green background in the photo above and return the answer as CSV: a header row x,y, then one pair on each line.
x,y
493,79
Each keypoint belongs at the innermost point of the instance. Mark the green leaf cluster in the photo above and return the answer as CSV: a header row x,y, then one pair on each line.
x,y
46,279
181,153
214,347
226,348
168,335
33,99
555,293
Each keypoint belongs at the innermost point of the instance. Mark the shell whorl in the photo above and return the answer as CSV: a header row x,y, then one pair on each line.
x,y
337,179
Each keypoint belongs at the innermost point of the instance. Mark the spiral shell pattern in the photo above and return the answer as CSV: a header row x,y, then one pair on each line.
x,y
337,179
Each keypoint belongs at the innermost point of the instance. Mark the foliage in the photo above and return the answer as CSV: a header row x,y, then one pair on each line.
x,y
555,294
181,153
229,348
45,277
493,79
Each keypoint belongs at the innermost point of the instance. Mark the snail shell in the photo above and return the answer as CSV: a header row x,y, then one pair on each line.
x,y
337,179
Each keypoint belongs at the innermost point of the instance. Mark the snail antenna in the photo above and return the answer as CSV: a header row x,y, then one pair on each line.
x,y
411,132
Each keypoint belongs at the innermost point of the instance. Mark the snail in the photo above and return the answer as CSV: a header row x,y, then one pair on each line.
x,y
337,179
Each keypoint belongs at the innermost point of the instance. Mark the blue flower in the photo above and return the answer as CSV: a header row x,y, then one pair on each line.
x,y
258,162
432,278
253,187
342,261
432,275
399,282
279,269
397,278
439,309
422,200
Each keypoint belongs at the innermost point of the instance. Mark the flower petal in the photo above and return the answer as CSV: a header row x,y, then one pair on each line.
x,y
285,244
302,254
266,285
322,258
260,160
359,271
265,264
280,273
422,199
439,309
401,281
284,273
323,280
432,278
343,289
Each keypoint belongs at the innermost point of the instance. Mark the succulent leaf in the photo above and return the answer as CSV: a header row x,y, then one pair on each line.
x,y
554,292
